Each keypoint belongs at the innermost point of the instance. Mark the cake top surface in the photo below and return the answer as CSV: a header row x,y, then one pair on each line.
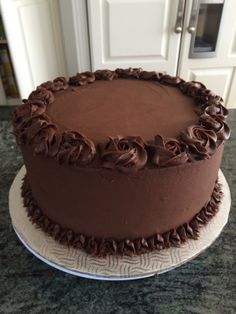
x,y
123,107
125,120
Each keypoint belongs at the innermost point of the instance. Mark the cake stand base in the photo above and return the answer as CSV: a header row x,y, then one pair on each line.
x,y
79,263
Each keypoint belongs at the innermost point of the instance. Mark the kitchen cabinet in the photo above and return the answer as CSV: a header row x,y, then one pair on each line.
x,y
195,39
134,33
33,30
214,62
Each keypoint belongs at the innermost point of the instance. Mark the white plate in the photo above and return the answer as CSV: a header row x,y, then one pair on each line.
x,y
79,263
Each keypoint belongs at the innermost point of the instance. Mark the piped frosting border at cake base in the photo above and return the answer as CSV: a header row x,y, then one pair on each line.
x,y
33,126
103,247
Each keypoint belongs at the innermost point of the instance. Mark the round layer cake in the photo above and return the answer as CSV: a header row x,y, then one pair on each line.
x,y
121,162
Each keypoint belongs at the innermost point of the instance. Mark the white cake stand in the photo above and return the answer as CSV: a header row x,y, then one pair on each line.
x,y
77,262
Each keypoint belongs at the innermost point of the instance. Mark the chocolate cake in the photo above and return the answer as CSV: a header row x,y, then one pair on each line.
x,y
121,162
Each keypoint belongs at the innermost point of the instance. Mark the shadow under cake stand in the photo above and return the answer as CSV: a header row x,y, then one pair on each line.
x,y
79,263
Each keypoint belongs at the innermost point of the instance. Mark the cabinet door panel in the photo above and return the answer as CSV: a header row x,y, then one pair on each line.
x,y
218,80
34,36
231,101
216,70
134,33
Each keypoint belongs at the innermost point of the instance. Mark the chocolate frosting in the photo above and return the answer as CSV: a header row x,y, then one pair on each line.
x,y
128,73
193,88
42,94
33,125
126,154
75,149
82,78
135,153
102,247
200,141
106,75
25,112
167,152
150,75
45,138
216,109
171,80
37,130
217,123
57,85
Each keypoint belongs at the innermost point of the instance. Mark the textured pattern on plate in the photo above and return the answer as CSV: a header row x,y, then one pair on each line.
x,y
77,262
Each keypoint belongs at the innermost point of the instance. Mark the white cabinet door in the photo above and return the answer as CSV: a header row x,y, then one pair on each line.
x,y
34,37
231,101
217,72
134,33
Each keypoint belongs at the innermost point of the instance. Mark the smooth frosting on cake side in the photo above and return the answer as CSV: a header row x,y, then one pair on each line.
x,y
112,204
118,160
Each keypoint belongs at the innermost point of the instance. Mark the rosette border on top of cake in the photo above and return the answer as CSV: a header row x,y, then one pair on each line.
x,y
128,154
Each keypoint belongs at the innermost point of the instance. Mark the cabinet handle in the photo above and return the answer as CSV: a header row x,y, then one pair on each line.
x,y
193,17
179,18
